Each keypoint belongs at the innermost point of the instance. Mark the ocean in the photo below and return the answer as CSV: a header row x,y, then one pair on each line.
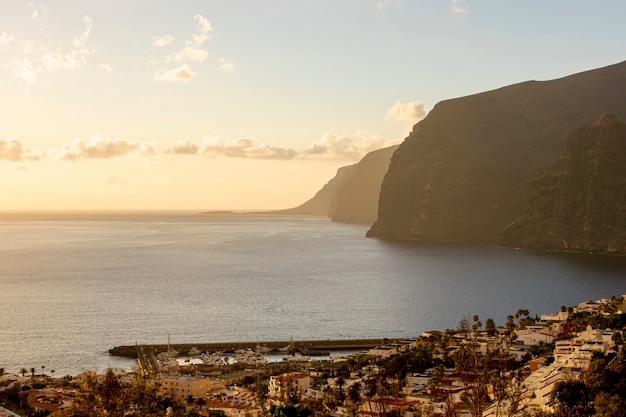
x,y
73,286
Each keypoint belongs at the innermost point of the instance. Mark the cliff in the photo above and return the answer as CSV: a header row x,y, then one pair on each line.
x,y
357,197
325,200
463,172
351,196
580,203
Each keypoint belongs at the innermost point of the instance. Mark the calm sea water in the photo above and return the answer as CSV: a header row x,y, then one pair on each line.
x,y
73,287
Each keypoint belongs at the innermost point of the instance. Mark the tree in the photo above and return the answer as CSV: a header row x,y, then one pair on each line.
x,y
23,371
477,324
106,396
289,410
490,327
571,398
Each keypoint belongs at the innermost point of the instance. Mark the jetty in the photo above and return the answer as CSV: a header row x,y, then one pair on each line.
x,y
310,347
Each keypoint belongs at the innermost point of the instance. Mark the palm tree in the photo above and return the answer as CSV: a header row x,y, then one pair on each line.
x,y
43,368
23,371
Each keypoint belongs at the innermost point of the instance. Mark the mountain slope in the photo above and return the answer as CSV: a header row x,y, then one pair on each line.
x,y
462,173
579,204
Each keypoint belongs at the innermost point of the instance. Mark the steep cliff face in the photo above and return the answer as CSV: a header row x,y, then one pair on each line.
x,y
325,200
351,196
463,172
357,197
579,204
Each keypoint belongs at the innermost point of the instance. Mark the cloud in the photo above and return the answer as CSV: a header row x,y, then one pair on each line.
x,y
12,150
203,30
411,112
103,148
192,50
5,38
189,53
227,66
457,9
182,73
333,146
329,147
106,67
221,146
161,41
30,58
73,59
185,147
37,10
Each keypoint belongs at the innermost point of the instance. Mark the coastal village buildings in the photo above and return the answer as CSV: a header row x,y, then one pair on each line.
x,y
182,387
289,385
365,384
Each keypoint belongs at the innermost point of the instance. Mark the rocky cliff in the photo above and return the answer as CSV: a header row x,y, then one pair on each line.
x,y
580,203
463,172
357,197
351,196
325,200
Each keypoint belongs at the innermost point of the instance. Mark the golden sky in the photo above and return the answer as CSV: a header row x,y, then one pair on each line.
x,y
244,104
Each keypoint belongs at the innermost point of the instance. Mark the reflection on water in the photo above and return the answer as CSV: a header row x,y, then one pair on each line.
x,y
72,289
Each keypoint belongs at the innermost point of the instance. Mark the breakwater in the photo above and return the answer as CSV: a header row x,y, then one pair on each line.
x,y
303,346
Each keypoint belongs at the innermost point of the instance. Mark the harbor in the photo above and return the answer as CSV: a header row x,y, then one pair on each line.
x,y
311,347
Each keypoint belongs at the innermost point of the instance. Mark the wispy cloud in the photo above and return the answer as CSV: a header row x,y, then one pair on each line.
x,y
5,39
192,50
227,66
73,58
37,10
458,9
182,73
27,59
161,41
411,112
106,67
102,148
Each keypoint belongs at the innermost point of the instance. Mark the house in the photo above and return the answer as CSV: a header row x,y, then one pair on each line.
x,y
289,384
532,335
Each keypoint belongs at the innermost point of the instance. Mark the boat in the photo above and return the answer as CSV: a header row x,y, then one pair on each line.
x,y
194,351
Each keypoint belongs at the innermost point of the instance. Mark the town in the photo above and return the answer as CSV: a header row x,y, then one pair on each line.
x,y
570,363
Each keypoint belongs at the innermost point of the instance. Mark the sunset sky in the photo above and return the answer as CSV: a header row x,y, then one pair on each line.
x,y
252,104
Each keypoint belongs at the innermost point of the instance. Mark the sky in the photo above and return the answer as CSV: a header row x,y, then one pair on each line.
x,y
250,104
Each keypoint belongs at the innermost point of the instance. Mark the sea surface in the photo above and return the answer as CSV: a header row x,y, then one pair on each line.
x,y
73,286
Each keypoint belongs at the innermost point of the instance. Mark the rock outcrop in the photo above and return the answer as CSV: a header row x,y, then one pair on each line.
x,y
579,204
463,172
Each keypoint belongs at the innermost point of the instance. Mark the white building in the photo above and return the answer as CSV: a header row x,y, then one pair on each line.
x,y
293,383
